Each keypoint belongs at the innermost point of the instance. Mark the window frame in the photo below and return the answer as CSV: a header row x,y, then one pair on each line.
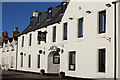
x,y
22,41
29,61
30,39
21,60
63,7
58,57
100,60
70,60
65,31
54,34
49,15
80,34
102,13
38,65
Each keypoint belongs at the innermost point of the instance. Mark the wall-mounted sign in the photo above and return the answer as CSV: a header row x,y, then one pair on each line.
x,y
54,48
42,36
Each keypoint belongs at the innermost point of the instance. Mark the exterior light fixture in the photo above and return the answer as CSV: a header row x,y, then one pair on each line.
x,y
44,52
108,5
40,51
71,18
88,12
21,53
24,54
62,51
58,50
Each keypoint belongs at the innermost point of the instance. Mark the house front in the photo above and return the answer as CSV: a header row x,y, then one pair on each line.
x,y
78,38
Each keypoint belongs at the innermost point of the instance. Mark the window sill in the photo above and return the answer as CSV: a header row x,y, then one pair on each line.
x,y
64,41
103,35
80,39
101,75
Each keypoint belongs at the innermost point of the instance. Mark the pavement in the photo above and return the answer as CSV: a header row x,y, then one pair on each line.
x,y
13,75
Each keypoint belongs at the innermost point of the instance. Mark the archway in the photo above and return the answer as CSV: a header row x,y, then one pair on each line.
x,y
53,62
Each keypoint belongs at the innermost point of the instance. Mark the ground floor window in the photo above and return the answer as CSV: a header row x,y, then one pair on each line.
x,y
72,61
56,58
38,60
101,61
29,61
21,60
12,62
3,61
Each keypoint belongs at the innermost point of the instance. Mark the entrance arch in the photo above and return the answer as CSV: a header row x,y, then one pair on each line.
x,y
53,62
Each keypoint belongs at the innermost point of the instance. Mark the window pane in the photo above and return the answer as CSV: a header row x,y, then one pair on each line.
x,y
102,21
30,39
54,34
64,6
29,59
22,41
101,60
49,14
56,58
65,31
39,61
80,27
72,60
21,60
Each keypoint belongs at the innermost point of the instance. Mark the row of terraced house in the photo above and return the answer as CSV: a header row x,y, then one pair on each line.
x,y
81,39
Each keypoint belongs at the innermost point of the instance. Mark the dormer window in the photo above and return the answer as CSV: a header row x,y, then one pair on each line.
x,y
49,13
31,21
40,17
64,6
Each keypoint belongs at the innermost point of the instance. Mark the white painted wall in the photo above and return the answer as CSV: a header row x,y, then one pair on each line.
x,y
0,56
86,48
7,56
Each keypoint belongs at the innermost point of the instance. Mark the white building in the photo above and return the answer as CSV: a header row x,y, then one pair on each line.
x,y
83,41
9,50
0,51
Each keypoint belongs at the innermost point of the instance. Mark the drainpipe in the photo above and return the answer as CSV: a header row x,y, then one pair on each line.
x,y
16,54
115,40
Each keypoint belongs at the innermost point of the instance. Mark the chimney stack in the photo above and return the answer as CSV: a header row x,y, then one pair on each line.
x,y
5,35
35,13
15,33
15,29
34,18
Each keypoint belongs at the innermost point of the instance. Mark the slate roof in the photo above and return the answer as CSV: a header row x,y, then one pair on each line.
x,y
56,18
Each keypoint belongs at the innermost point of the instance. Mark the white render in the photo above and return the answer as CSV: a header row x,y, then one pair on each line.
x,y
9,57
86,47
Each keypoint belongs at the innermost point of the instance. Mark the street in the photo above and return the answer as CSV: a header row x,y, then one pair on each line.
x,y
12,75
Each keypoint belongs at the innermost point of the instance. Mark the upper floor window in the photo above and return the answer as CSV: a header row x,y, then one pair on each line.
x,y
102,21
65,31
64,6
22,41
39,33
72,62
80,27
39,17
49,13
54,34
30,39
